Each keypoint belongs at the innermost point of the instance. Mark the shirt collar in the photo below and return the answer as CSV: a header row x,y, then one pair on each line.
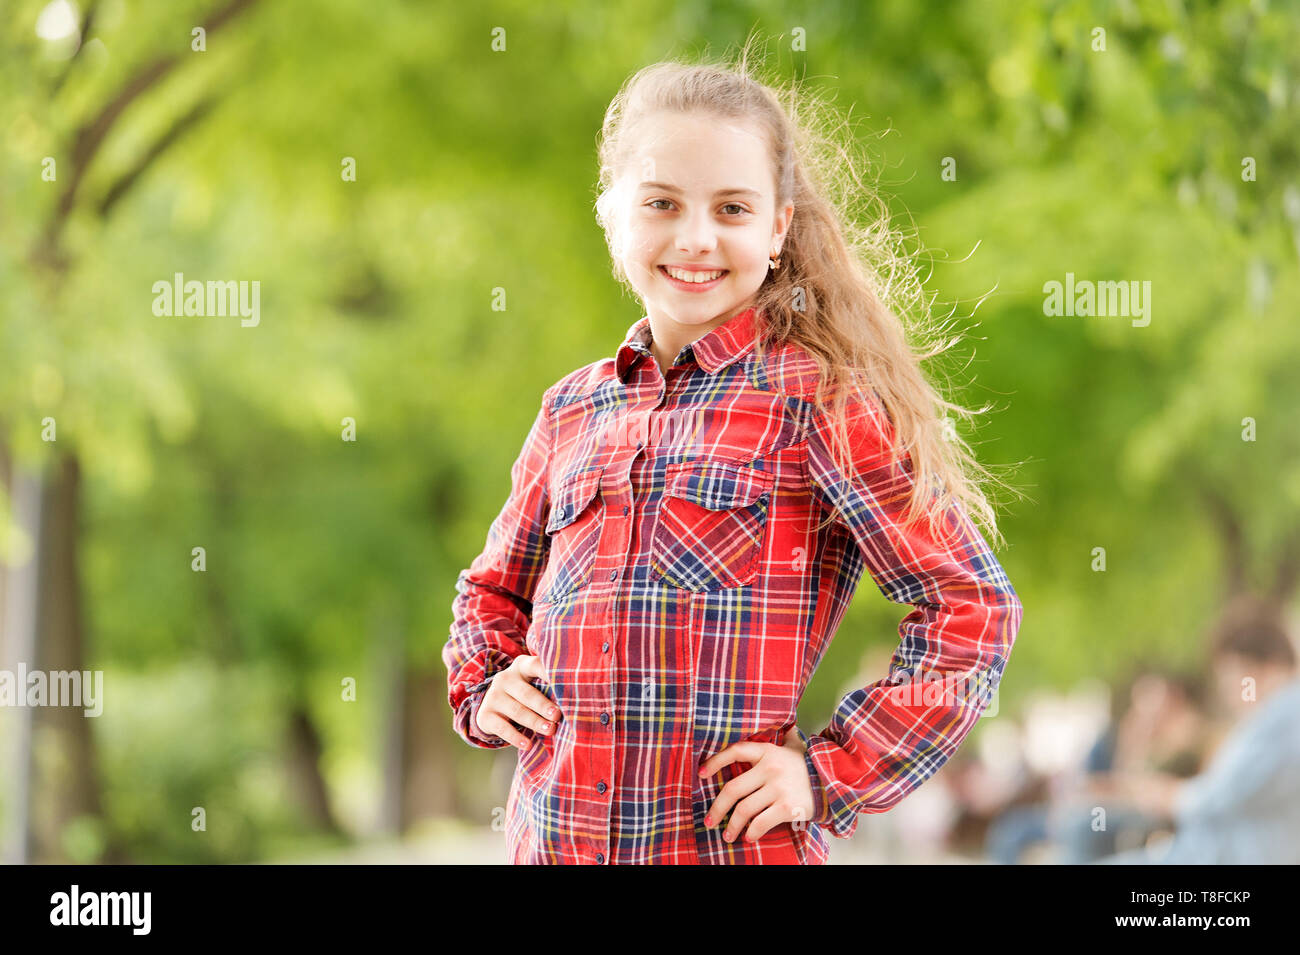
x,y
727,343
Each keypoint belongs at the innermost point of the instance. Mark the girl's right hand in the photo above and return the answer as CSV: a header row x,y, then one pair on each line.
x,y
511,697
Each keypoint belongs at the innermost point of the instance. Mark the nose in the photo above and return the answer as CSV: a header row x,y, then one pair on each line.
x,y
696,235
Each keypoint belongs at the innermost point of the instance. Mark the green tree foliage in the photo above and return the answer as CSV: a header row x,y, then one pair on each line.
x,y
475,172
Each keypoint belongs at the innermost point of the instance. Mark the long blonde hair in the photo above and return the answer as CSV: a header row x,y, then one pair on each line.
x,y
845,277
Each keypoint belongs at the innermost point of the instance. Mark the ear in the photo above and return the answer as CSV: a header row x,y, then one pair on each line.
x,y
781,225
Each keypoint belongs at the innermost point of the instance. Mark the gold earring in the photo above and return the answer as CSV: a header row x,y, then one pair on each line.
x,y
774,262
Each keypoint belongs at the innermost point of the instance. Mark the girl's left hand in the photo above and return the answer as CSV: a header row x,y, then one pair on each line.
x,y
774,790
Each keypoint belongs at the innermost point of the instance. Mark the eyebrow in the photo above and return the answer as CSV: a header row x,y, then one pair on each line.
x,y
735,191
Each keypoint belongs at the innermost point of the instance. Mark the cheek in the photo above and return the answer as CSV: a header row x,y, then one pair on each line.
x,y
638,257
641,237
754,254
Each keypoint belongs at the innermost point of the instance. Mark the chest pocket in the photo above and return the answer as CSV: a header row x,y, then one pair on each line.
x,y
711,523
573,527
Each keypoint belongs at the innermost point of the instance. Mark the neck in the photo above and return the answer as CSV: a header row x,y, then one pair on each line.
x,y
1273,679
1268,680
668,338
663,356
667,342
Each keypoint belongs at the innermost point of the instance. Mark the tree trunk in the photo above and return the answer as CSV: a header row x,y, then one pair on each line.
x,y
18,599
65,784
428,759
305,776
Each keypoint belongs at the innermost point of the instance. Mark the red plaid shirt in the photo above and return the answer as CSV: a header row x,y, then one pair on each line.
x,y
658,553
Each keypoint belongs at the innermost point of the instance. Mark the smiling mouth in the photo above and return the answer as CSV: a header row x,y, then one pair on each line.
x,y
693,277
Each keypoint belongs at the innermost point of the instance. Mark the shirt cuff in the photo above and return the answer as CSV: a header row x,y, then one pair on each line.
x,y
820,815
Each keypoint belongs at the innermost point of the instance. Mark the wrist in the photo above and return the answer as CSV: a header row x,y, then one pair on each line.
x,y
474,702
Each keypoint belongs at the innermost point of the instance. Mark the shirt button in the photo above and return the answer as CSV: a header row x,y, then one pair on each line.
x,y
600,858
601,787
626,509
613,574
640,445
604,719
604,647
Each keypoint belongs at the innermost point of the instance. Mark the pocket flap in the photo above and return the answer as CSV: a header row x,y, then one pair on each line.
x,y
575,493
718,485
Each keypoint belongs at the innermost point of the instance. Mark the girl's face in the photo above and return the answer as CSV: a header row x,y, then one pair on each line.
x,y
700,219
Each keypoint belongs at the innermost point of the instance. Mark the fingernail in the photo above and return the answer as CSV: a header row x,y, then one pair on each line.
x,y
546,727
708,821
553,712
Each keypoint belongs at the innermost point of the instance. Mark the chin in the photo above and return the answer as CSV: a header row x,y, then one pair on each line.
x,y
694,316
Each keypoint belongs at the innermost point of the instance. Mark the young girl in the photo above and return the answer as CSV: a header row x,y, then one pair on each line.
x,y
689,519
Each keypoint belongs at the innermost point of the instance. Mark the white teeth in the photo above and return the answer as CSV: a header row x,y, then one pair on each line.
x,y
694,277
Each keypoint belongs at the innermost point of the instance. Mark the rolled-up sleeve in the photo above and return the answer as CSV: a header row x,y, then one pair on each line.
x,y
492,610
887,738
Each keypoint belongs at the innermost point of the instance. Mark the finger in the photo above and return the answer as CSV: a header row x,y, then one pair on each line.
x,y
531,671
747,809
732,791
745,752
765,821
520,685
539,702
533,707
513,709
494,725
530,666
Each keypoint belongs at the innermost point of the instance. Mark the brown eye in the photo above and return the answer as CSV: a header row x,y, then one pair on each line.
x,y
734,205
653,201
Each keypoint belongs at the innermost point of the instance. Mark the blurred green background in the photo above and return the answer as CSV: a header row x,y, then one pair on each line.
x,y
1169,156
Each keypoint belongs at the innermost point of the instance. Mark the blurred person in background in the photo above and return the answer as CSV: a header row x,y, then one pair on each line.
x,y
1243,809
1164,733
983,796
1160,729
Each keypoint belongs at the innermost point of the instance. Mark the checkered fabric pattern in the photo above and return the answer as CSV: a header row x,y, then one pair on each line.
x,y
659,553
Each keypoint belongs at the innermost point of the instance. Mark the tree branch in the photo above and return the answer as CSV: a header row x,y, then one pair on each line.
x,y
1230,535
173,133
1288,569
91,135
